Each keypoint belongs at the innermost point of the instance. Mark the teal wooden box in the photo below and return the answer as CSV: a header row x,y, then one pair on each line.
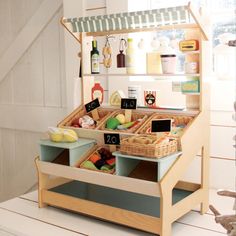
x,y
126,163
50,150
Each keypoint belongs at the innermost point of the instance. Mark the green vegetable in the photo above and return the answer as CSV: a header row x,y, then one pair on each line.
x,y
112,123
126,125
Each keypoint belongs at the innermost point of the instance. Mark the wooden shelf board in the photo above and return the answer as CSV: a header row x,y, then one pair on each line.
x,y
145,75
158,28
197,94
147,205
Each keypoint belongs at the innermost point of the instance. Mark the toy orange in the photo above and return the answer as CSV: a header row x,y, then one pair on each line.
x,y
94,158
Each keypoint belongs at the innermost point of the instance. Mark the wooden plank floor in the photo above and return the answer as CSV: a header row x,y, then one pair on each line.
x,y
22,217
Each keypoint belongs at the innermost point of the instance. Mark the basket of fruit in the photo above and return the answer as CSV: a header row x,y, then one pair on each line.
x,y
179,123
116,122
79,118
101,159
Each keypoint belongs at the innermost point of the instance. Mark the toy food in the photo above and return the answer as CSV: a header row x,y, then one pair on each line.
x,y
84,122
94,158
189,45
115,98
112,123
106,168
126,125
89,165
100,163
62,135
121,118
102,159
111,161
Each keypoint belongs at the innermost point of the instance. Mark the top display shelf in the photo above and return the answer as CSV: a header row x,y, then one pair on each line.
x,y
181,17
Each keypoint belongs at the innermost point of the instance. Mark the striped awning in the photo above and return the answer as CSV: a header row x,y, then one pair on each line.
x,y
130,20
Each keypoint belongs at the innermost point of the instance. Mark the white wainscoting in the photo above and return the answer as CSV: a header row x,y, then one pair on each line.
x,y
33,92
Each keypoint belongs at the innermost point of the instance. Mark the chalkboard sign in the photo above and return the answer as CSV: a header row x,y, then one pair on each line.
x,y
112,139
161,125
92,105
128,103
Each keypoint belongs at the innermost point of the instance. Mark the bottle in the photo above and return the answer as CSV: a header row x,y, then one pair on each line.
x,y
120,58
94,58
130,69
98,92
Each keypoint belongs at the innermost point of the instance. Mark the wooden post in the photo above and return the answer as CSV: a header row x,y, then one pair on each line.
x,y
42,183
205,163
95,114
128,115
112,148
165,210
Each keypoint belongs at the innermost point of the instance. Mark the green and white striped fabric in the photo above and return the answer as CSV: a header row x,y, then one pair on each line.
x,y
130,20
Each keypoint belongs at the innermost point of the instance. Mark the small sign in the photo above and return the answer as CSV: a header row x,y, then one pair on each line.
x,y
161,125
112,139
128,103
92,105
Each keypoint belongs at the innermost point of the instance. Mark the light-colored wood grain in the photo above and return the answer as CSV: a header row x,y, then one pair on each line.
x,y
94,177
166,27
95,114
128,115
184,206
192,141
198,19
136,220
187,186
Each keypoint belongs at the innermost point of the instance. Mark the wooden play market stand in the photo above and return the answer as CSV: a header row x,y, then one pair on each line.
x,y
151,206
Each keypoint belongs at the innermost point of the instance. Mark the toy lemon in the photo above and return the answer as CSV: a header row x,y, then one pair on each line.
x,y
121,118
62,135
56,134
70,136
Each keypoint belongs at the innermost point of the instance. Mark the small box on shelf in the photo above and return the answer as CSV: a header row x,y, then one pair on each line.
x,y
191,86
64,153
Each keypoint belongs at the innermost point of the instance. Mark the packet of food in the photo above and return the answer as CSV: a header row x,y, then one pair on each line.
x,y
62,135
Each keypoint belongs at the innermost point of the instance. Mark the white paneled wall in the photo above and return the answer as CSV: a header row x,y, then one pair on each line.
x,y
33,94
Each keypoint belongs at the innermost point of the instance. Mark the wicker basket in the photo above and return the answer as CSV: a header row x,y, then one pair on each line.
x,y
148,146
177,121
104,113
135,116
94,150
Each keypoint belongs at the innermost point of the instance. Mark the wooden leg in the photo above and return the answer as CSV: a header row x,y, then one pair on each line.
x,y
205,179
42,184
166,229
165,207
42,181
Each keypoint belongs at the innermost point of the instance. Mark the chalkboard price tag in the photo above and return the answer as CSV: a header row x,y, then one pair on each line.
x,y
161,125
112,139
92,105
128,103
